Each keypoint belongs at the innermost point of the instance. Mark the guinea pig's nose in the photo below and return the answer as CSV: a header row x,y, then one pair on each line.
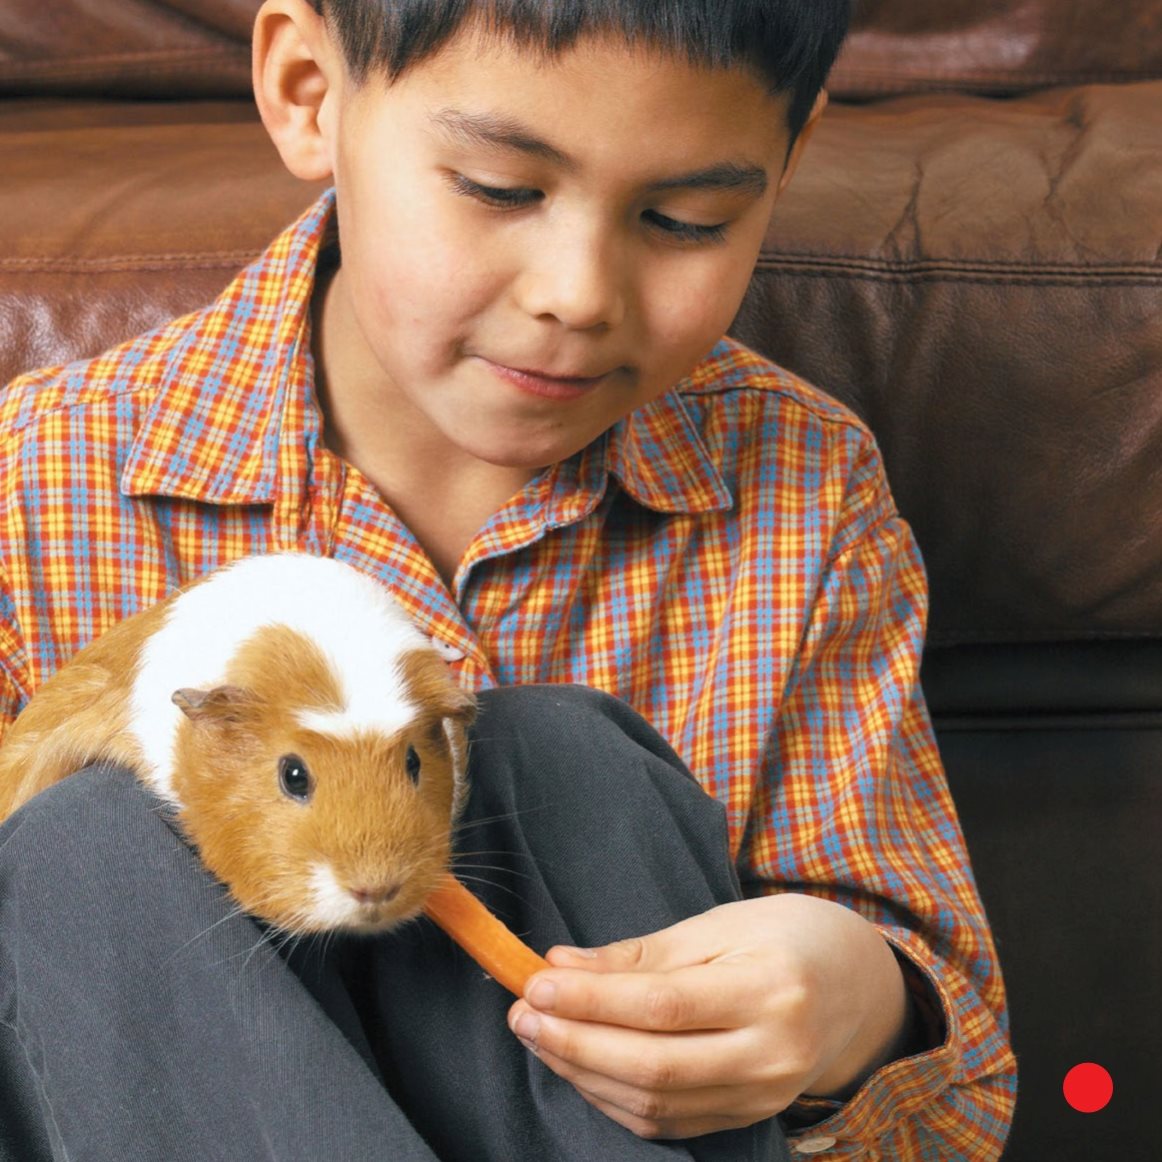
x,y
376,894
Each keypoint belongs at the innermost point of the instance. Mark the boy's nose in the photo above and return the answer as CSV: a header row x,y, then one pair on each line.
x,y
580,284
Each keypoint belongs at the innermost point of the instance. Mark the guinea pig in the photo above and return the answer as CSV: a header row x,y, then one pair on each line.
x,y
309,740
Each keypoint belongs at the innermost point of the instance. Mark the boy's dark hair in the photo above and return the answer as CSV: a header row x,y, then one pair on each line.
x,y
790,43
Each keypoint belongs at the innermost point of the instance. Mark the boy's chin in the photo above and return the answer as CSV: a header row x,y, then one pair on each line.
x,y
510,444
519,458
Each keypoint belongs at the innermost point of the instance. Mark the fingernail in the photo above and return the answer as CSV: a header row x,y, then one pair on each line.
x,y
543,994
526,1028
581,953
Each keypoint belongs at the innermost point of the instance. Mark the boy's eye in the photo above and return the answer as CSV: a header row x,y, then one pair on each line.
x,y
512,198
685,231
491,195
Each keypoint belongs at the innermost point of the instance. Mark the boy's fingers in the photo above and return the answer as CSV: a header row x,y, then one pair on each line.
x,y
634,1059
670,1086
674,1113
717,996
691,941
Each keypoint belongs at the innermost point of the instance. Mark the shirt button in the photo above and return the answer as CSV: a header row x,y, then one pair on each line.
x,y
447,651
814,1145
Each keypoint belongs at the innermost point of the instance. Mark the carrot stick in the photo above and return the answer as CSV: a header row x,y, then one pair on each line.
x,y
504,956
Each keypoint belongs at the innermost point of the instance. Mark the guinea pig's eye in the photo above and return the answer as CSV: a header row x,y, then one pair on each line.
x,y
412,762
294,778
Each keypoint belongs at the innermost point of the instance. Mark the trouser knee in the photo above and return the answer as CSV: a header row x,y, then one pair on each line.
x,y
585,773
556,729
95,824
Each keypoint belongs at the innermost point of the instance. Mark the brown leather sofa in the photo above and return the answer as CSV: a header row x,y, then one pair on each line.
x,y
969,257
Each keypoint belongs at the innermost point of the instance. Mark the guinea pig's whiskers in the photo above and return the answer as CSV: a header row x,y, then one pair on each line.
x,y
492,884
278,939
501,851
293,931
459,859
234,911
331,937
285,942
484,820
482,867
263,938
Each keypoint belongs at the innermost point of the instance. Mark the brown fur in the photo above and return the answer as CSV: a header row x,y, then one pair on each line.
x,y
79,715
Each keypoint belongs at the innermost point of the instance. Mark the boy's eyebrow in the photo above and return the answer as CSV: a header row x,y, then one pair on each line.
x,y
495,132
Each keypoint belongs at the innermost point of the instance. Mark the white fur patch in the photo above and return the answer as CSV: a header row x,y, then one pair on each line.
x,y
353,620
328,902
360,714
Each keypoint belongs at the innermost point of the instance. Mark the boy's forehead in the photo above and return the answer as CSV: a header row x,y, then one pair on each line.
x,y
496,91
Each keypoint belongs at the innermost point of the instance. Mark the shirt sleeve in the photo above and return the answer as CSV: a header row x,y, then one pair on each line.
x,y
857,810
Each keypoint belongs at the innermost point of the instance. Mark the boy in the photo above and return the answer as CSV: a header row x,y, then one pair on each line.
x,y
489,370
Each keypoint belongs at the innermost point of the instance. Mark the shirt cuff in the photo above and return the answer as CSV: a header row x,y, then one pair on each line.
x,y
833,1130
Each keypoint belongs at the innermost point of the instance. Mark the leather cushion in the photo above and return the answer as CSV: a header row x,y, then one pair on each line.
x,y
175,48
997,46
116,218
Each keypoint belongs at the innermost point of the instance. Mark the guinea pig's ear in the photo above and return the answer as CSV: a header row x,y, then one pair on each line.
x,y
457,705
430,684
221,706
457,710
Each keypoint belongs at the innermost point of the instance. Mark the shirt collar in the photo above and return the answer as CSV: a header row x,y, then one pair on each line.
x,y
212,431
660,458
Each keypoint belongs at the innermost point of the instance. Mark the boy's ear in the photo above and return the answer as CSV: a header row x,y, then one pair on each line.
x,y
801,141
296,69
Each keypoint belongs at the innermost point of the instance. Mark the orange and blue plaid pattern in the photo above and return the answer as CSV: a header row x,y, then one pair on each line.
x,y
727,559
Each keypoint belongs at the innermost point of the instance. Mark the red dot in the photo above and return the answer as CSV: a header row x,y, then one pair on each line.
x,y
1088,1087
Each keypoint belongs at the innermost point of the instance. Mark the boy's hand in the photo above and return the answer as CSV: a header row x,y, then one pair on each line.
x,y
721,1020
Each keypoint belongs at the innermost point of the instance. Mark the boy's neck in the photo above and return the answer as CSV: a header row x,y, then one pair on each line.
x,y
441,494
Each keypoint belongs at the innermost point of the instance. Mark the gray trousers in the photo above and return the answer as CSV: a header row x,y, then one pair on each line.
x,y
143,1020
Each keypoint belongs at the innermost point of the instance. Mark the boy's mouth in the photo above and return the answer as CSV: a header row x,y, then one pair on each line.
x,y
546,384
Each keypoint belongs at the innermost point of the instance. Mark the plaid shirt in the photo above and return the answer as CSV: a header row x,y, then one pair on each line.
x,y
727,559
